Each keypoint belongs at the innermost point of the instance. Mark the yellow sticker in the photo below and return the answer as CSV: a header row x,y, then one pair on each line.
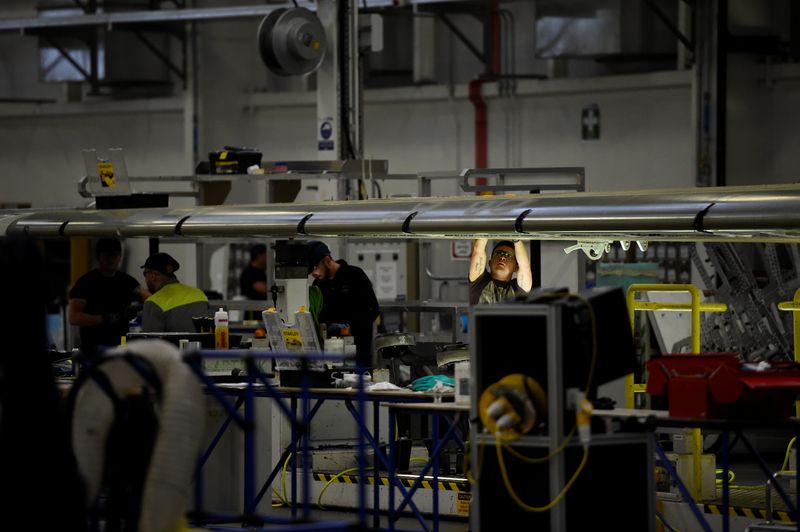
x,y
463,499
223,155
292,339
107,177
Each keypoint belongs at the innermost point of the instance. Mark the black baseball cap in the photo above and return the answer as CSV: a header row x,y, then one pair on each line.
x,y
108,245
316,252
162,263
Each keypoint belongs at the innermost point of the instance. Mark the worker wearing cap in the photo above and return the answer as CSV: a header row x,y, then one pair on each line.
x,y
99,303
347,296
498,283
172,305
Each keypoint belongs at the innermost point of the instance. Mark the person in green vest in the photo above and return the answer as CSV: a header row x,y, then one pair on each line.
x,y
173,304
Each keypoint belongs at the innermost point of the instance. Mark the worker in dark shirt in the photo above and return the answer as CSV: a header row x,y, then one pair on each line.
x,y
498,283
347,297
100,300
253,280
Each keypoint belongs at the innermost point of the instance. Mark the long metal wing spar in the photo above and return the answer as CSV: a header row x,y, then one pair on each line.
x,y
769,213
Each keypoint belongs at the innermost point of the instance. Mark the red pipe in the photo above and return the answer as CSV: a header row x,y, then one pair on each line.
x,y
481,125
476,96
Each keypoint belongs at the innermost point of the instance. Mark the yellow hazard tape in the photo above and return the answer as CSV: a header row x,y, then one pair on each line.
x,y
406,482
752,513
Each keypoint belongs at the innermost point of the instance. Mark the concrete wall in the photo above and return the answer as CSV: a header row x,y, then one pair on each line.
x,y
647,138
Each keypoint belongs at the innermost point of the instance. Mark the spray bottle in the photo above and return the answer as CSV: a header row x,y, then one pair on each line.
x,y
221,329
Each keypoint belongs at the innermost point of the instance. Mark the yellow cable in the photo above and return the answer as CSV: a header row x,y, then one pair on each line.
x,y
731,476
558,497
499,447
539,460
332,480
280,498
283,478
788,450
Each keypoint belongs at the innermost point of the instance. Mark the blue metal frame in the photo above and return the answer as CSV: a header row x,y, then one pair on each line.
x,y
246,397
300,438
433,462
725,427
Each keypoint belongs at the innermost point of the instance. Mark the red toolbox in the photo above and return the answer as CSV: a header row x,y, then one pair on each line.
x,y
720,385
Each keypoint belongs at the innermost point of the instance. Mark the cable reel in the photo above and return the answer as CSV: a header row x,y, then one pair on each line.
x,y
512,406
291,41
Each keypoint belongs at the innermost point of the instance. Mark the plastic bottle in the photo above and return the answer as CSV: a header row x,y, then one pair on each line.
x,y
221,329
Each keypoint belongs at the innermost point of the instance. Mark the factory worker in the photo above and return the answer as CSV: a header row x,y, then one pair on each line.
x,y
347,297
253,279
173,304
498,283
99,303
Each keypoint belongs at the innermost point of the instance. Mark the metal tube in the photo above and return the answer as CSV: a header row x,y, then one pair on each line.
x,y
757,214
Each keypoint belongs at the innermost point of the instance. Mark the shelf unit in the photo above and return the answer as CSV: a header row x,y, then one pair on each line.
x,y
528,339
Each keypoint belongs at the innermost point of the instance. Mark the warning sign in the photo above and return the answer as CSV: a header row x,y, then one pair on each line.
x,y
460,249
107,177
462,502
293,340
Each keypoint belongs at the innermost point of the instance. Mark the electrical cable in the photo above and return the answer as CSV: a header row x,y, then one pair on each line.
x,y
549,505
332,480
280,498
283,478
731,475
538,460
786,456
499,445
731,478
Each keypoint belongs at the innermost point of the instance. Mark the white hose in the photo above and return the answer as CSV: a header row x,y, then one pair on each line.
x,y
167,490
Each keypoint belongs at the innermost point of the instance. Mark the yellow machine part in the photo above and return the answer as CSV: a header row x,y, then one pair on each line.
x,y
506,395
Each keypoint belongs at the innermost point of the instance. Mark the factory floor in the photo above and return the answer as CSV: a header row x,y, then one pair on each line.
x,y
404,523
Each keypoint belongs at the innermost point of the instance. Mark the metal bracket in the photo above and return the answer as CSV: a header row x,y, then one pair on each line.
x,y
593,250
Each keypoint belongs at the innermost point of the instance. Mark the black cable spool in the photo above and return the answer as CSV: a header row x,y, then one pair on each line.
x,y
291,41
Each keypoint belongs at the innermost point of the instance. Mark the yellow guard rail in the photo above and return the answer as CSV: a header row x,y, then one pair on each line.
x,y
696,307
